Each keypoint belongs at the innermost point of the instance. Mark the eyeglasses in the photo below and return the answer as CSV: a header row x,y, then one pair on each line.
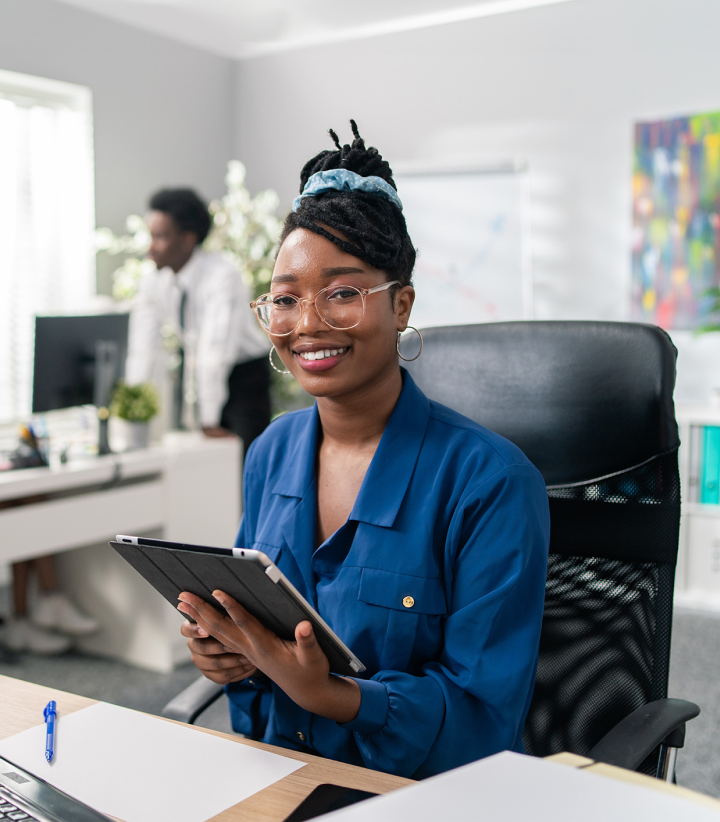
x,y
339,306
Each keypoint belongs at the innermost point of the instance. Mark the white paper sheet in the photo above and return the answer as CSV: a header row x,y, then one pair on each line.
x,y
139,768
509,787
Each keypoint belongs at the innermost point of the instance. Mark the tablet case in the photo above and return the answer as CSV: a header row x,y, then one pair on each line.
x,y
171,572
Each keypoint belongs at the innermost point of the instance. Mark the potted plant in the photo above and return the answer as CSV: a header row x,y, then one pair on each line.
x,y
137,405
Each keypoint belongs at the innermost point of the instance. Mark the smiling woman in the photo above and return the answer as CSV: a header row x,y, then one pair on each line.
x,y
418,535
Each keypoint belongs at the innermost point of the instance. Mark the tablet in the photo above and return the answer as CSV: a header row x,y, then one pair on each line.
x,y
248,576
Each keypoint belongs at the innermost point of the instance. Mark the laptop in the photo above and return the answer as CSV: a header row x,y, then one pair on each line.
x,y
27,798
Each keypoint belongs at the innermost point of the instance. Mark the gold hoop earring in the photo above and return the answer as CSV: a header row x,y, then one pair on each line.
x,y
397,345
270,353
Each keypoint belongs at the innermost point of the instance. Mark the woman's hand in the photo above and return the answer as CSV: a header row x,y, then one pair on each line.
x,y
216,661
299,668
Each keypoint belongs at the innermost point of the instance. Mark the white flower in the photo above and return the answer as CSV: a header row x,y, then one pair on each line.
x,y
268,201
235,176
135,223
127,278
103,239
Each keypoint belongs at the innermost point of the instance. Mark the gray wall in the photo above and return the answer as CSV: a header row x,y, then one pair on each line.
x,y
162,110
559,86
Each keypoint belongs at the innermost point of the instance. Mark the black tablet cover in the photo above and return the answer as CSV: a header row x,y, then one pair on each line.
x,y
173,571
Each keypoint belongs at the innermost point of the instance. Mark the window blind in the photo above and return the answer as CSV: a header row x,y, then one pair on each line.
x,y
46,219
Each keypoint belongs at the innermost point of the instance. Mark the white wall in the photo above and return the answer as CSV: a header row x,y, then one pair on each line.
x,y
559,86
162,110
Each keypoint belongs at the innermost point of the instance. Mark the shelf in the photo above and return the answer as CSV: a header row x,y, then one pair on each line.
x,y
698,600
697,508
698,414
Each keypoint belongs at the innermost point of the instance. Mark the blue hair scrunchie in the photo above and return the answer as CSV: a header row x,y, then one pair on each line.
x,y
341,179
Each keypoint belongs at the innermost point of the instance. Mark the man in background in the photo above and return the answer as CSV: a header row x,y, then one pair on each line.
x,y
202,299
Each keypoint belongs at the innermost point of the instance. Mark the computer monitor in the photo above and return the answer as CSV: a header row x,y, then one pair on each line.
x,y
78,361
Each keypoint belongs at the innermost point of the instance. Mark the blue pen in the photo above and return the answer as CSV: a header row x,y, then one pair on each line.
x,y
50,714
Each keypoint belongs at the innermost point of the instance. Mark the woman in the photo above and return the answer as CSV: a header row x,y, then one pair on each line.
x,y
420,536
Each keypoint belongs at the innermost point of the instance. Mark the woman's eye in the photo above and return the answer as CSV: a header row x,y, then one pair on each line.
x,y
342,294
283,301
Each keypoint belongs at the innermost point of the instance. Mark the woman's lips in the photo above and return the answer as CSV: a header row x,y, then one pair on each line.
x,y
324,364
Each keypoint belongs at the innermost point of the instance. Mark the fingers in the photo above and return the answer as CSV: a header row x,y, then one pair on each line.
x,y
208,618
225,627
308,651
244,620
228,676
193,630
200,642
221,662
223,668
209,647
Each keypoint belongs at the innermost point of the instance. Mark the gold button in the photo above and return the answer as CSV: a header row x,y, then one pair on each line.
x,y
301,736
408,602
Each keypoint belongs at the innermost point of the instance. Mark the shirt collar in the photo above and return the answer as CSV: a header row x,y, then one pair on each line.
x,y
185,276
299,469
388,476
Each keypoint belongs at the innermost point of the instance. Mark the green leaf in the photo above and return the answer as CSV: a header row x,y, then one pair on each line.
x,y
135,403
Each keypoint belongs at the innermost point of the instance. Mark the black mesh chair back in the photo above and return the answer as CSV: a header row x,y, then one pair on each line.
x,y
590,403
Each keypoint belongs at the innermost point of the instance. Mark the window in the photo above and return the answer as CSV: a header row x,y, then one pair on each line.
x,y
46,219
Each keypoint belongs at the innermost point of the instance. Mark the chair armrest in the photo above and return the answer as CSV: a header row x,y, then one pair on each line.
x,y
190,703
634,738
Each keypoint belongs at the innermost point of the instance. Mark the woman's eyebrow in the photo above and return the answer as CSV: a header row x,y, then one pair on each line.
x,y
284,278
338,271
335,271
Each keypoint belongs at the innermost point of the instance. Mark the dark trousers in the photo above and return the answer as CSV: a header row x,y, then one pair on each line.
x,y
247,410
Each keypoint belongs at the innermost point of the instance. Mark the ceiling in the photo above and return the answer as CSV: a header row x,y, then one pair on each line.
x,y
249,28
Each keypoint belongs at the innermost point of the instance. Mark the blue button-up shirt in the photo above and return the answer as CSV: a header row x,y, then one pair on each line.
x,y
436,582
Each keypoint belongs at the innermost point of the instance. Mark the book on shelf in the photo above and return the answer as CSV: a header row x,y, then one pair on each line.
x,y
693,491
710,476
704,465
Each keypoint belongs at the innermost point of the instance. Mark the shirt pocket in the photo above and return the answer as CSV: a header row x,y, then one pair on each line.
x,y
402,592
412,605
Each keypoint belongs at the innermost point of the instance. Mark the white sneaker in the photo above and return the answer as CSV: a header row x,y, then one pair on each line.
x,y
56,612
20,635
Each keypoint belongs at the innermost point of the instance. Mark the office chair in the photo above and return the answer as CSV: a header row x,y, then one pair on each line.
x,y
591,405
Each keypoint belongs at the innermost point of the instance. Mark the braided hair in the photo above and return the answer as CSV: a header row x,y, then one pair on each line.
x,y
373,228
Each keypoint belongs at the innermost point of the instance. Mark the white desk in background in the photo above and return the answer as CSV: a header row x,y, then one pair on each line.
x,y
187,489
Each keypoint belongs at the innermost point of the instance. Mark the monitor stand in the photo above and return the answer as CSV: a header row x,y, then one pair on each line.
x,y
106,369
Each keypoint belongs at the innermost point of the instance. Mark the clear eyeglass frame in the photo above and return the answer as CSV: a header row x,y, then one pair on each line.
x,y
266,299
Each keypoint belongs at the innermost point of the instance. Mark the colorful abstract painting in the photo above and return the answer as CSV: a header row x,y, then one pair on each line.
x,y
676,207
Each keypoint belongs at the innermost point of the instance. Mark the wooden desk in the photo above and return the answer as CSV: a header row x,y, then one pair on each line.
x,y
600,768
22,703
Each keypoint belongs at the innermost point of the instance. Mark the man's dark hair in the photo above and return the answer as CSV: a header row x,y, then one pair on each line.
x,y
185,208
374,227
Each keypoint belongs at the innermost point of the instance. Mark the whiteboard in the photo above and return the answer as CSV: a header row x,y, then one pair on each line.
x,y
471,232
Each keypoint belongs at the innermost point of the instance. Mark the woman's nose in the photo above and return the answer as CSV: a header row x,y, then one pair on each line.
x,y
309,319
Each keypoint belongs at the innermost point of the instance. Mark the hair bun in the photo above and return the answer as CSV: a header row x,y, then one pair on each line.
x,y
367,162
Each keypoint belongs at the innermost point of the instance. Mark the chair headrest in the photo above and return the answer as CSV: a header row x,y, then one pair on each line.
x,y
581,399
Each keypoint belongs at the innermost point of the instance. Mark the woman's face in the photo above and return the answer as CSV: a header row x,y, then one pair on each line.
x,y
307,263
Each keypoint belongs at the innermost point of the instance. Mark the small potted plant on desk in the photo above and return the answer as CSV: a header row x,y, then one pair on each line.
x,y
137,405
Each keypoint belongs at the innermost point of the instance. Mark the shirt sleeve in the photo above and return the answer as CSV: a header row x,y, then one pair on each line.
x,y
144,333
472,701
